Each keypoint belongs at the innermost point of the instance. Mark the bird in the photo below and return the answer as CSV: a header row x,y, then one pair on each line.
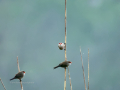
x,y
61,46
19,75
63,64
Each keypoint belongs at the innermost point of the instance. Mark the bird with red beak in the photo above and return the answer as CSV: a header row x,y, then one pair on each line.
x,y
19,75
64,64
61,46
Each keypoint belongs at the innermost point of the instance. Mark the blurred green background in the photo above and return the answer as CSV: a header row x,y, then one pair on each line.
x,y
32,29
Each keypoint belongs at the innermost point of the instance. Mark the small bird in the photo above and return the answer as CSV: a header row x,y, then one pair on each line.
x,y
63,64
19,75
61,46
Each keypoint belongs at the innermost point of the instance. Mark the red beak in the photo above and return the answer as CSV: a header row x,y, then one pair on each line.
x,y
60,43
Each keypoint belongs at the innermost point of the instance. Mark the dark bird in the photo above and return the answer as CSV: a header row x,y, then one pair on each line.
x,y
19,75
63,64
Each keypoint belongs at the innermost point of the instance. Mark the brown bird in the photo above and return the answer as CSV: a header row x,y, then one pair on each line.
x,y
63,64
19,75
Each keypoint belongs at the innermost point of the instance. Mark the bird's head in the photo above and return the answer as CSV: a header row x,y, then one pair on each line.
x,y
23,72
69,62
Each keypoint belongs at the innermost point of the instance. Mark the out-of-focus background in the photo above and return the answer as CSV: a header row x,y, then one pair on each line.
x,y
32,29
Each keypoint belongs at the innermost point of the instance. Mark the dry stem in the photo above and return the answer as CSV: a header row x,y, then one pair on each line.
x,y
83,68
65,48
65,81
19,71
2,84
70,79
88,68
18,64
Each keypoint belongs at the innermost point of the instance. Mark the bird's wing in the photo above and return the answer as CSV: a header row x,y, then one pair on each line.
x,y
19,74
63,64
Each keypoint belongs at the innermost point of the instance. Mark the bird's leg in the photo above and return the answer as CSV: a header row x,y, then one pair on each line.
x,y
20,80
64,46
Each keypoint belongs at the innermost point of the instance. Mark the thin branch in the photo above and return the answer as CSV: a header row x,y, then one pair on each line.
x,y
83,68
18,64
70,79
88,68
65,48
21,85
65,31
2,84
65,81
65,21
19,71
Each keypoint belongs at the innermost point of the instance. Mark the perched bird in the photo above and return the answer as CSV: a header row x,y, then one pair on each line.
x,y
63,64
61,46
19,75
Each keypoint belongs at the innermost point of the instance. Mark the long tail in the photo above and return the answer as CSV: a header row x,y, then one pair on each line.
x,y
12,78
56,67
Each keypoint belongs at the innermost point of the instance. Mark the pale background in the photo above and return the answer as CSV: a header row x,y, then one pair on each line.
x,y
32,29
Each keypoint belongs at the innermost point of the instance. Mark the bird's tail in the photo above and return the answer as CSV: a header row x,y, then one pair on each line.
x,y
56,67
12,78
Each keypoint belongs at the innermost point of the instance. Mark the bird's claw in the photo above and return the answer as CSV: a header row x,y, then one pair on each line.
x,y
65,46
